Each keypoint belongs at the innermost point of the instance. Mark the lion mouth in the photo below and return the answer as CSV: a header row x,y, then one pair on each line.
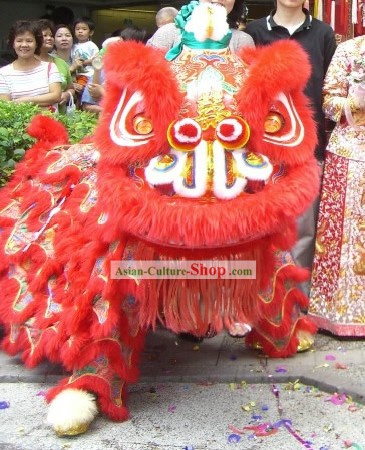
x,y
208,172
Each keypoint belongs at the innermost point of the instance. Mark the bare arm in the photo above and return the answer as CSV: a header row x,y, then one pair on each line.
x,y
91,108
96,91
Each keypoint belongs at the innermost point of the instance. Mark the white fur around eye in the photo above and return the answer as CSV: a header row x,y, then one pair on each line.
x,y
237,130
183,138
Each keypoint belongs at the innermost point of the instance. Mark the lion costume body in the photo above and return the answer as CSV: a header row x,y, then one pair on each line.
x,y
188,162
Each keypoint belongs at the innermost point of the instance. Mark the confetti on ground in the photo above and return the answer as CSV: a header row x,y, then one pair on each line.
x,y
330,358
249,406
354,407
286,423
256,417
235,429
4,405
336,399
280,369
357,446
263,429
341,366
325,366
294,386
233,438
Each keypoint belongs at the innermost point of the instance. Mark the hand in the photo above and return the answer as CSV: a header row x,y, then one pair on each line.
x,y
96,91
78,87
76,64
357,93
65,97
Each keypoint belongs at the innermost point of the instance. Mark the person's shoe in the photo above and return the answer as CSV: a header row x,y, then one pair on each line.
x,y
239,329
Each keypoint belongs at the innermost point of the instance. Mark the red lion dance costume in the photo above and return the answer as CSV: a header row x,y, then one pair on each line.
x,y
209,157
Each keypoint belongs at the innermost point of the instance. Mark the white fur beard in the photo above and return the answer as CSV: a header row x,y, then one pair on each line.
x,y
208,21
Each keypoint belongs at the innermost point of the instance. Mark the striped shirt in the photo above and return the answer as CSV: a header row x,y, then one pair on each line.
x,y
29,83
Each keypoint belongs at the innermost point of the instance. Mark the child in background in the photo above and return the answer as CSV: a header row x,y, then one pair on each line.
x,y
94,91
84,50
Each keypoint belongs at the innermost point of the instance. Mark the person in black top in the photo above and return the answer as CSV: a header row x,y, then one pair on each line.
x,y
290,20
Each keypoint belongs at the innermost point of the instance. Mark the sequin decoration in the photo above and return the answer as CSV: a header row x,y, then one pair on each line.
x,y
52,306
20,235
90,198
101,308
23,297
254,160
165,163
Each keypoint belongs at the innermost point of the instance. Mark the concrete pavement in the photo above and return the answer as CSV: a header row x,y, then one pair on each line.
x,y
201,396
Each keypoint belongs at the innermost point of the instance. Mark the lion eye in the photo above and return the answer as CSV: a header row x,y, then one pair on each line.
x,y
233,132
129,125
274,122
184,134
142,125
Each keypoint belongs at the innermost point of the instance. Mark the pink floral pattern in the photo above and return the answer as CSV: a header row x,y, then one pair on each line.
x,y
338,293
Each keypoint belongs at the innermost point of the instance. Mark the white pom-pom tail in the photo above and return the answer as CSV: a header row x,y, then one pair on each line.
x,y
72,411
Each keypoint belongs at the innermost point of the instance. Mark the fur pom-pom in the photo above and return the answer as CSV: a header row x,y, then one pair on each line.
x,y
47,129
276,66
132,67
274,81
71,412
208,21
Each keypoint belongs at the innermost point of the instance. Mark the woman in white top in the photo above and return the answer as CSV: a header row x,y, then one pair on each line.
x,y
28,79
